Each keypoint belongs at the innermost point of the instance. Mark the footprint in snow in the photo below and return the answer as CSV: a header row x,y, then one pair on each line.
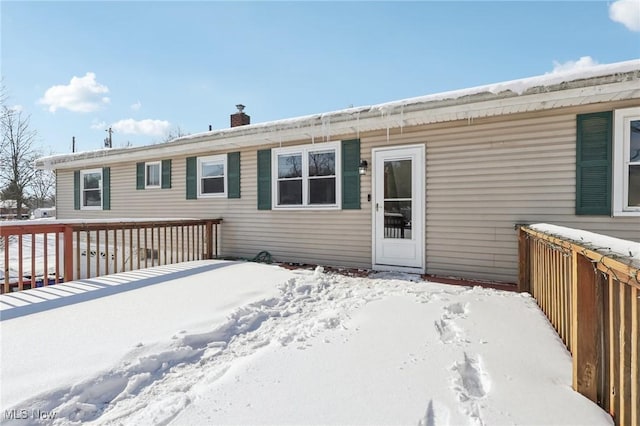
x,y
471,385
448,331
437,414
473,382
456,310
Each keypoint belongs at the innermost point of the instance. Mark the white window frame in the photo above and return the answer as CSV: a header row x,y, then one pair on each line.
x,y
146,174
218,159
304,151
100,187
621,146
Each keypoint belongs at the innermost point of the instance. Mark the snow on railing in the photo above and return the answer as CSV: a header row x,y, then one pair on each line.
x,y
40,253
588,285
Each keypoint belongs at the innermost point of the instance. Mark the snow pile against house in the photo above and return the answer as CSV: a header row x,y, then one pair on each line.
x,y
246,343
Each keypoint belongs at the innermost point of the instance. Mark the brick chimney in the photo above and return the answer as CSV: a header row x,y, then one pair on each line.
x,y
240,118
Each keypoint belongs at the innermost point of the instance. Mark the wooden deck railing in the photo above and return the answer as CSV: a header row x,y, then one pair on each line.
x,y
592,301
43,253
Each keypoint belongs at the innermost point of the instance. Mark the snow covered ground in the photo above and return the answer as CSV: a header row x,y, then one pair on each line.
x,y
216,342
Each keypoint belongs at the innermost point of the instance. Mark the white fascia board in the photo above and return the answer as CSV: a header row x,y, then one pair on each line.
x,y
353,121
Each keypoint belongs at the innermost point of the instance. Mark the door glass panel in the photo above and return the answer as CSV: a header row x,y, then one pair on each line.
x,y
397,219
397,179
397,199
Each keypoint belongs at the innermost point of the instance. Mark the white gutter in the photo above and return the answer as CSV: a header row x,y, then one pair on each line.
x,y
459,105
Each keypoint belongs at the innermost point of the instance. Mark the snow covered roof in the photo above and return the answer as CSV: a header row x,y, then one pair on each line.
x,y
600,83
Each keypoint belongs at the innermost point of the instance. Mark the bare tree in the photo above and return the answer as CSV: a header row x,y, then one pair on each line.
x,y
174,133
41,189
3,92
17,154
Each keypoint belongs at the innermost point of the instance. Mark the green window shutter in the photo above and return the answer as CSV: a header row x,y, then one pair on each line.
x,y
166,174
350,174
76,190
264,179
233,175
593,163
192,177
139,175
106,188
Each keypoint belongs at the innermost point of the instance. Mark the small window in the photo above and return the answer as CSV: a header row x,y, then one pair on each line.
x,y
91,189
627,162
211,176
153,177
306,176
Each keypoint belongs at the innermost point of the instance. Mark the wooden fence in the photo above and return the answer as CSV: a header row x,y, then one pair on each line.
x,y
592,301
35,254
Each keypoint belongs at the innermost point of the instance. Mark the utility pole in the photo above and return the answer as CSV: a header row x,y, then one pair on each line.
x,y
73,144
108,143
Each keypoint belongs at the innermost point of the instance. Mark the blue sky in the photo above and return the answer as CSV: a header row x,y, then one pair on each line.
x,y
146,68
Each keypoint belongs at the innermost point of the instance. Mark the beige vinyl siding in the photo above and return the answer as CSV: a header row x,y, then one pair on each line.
x,y
482,178
341,238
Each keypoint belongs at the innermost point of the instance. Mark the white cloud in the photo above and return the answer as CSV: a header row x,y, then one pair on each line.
x,y
98,125
583,62
16,108
141,127
136,106
626,12
82,94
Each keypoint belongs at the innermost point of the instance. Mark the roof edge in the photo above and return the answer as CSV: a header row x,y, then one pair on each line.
x,y
612,79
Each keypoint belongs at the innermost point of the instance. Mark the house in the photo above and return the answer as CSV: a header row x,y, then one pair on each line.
x,y
9,209
44,212
431,184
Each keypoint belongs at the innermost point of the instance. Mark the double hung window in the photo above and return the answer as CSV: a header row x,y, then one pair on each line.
x,y
91,189
152,175
307,177
211,176
626,179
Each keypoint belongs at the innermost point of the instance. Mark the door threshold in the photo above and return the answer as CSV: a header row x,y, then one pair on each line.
x,y
392,268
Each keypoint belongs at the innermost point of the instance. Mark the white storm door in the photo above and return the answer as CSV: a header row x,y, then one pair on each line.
x,y
399,208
